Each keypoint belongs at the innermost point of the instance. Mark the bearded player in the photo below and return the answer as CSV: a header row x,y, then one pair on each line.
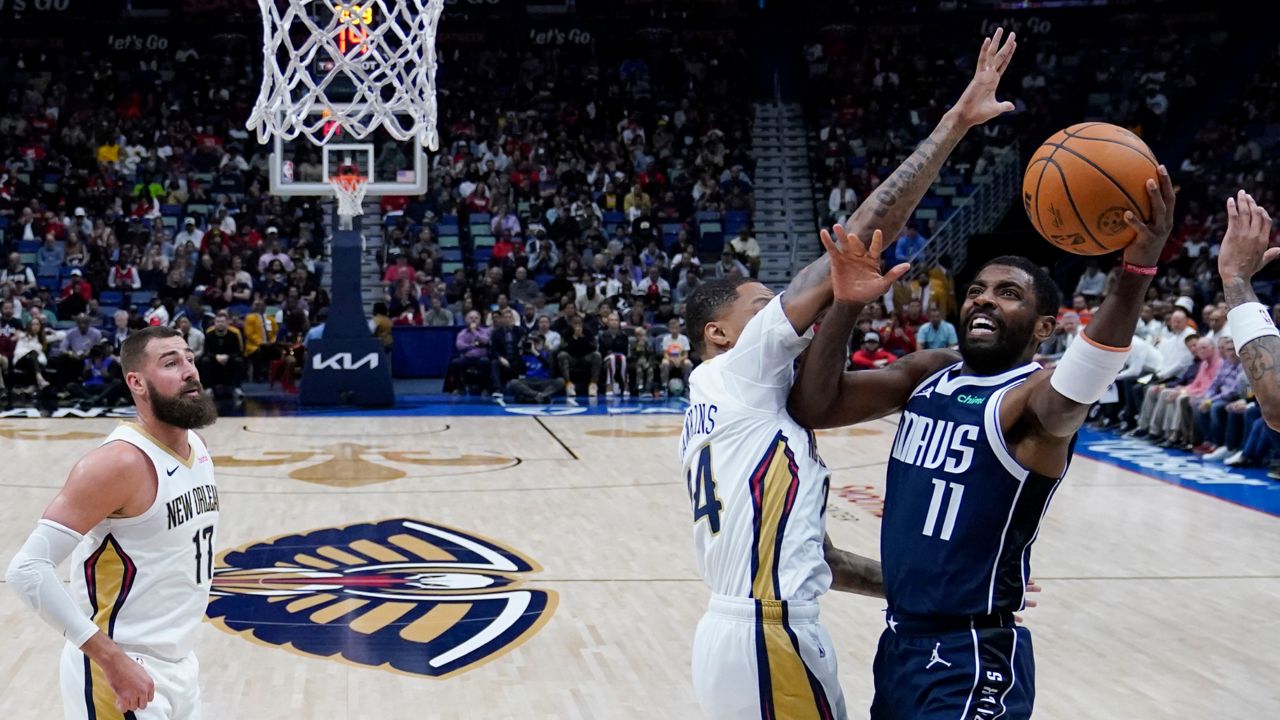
x,y
985,438
137,516
757,485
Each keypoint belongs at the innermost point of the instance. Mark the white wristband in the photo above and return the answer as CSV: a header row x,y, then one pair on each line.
x,y
1248,322
1087,369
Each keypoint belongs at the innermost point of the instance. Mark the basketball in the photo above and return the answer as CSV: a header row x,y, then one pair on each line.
x,y
1081,181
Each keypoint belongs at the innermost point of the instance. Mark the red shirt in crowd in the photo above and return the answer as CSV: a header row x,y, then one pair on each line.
x,y
864,360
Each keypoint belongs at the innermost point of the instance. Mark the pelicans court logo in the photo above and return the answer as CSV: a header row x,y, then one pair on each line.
x,y
401,595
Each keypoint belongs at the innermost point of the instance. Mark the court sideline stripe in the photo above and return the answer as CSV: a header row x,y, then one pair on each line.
x,y
550,432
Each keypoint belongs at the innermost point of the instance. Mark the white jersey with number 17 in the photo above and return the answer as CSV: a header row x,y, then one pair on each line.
x,y
758,487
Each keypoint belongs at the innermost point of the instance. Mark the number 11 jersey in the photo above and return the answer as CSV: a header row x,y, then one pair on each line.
x,y
960,512
757,485
145,580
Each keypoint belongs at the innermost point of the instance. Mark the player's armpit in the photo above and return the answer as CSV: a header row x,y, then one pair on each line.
x,y
853,573
1038,423
114,479
862,395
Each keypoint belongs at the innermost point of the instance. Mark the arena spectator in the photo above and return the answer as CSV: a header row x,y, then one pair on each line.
x,y
504,348
643,360
76,345
222,366
729,265
675,349
578,352
533,382
1064,333
260,334
193,336
472,360
937,333
870,356
613,344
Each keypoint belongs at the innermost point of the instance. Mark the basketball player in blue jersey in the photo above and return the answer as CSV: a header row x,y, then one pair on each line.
x,y
137,516
756,483
984,439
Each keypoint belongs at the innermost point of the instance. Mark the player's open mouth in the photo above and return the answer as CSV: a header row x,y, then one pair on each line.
x,y
982,325
192,392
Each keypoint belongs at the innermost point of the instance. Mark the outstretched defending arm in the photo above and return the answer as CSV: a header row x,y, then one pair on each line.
x,y
889,207
1244,252
824,395
1055,403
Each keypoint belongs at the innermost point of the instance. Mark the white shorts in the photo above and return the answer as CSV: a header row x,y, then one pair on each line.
x,y
765,659
87,695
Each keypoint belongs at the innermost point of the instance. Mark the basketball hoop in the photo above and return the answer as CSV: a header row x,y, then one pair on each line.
x,y
349,187
377,57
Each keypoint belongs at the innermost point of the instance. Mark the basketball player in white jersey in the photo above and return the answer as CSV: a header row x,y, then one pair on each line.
x,y
137,516
757,485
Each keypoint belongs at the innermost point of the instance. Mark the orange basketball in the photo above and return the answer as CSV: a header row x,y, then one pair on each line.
x,y
1081,181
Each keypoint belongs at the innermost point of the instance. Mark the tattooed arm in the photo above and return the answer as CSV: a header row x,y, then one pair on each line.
x,y
823,394
889,207
853,573
1244,252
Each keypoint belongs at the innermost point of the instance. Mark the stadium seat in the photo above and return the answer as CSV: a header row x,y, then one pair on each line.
x,y
111,297
141,297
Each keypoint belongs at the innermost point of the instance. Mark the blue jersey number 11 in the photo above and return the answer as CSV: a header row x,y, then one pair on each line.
x,y
702,491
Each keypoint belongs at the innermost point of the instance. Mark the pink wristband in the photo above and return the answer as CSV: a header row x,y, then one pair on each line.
x,y
1139,269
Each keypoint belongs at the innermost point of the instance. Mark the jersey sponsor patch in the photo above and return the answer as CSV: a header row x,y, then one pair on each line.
x,y
402,595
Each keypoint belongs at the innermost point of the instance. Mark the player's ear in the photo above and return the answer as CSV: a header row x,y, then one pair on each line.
x,y
134,382
714,333
1045,326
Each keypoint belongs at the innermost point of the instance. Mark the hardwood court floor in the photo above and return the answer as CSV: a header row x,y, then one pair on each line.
x,y
1158,602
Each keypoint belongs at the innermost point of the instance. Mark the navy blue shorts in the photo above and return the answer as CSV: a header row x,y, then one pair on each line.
x,y
978,674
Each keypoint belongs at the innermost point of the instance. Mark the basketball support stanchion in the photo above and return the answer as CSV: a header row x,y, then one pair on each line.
x,y
348,365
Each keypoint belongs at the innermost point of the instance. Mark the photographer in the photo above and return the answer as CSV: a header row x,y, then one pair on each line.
x,y
533,382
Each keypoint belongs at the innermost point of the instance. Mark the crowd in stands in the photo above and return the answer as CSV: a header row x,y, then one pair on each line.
x,y
130,195
575,205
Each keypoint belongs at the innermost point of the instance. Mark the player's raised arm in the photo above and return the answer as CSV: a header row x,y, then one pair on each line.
x,y
889,207
1054,403
1244,252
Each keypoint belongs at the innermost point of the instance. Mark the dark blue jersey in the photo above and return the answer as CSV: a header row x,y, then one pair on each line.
x,y
960,512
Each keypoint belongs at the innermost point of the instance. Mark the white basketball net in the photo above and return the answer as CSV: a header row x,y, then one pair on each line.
x,y
349,190
386,49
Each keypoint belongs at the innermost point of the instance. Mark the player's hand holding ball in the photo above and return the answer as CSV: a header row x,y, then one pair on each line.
x,y
1150,237
1244,246
855,268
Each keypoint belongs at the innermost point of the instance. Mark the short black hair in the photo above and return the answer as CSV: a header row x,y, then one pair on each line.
x,y
379,308
705,304
134,348
1048,296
